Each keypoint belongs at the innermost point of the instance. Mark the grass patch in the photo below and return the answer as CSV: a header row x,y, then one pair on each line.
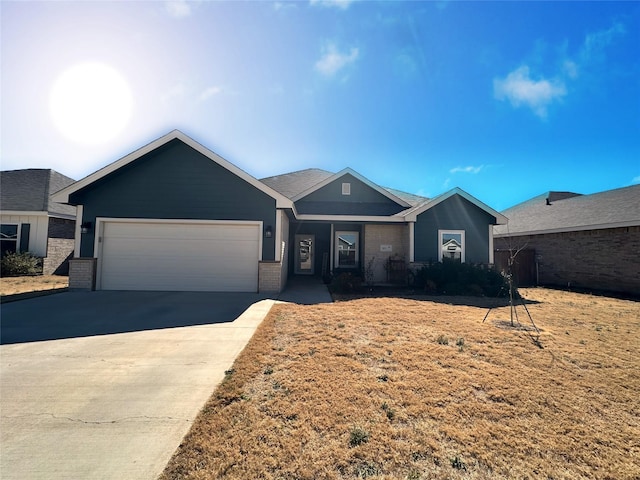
x,y
378,398
31,283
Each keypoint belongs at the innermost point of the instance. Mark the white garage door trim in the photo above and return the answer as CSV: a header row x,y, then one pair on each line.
x,y
253,255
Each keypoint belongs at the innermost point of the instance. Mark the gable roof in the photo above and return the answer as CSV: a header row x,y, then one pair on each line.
x,y
294,183
31,190
609,209
281,200
412,213
353,173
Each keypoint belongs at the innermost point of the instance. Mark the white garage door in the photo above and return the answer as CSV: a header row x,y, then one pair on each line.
x,y
179,256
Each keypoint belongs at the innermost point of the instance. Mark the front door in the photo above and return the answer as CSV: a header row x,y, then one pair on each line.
x,y
305,251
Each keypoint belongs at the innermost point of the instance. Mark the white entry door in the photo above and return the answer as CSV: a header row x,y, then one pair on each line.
x,y
305,253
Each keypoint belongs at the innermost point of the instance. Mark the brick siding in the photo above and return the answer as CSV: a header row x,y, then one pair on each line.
x,y
270,277
59,251
605,259
377,235
82,274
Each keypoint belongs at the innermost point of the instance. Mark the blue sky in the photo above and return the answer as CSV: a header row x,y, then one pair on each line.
x,y
505,100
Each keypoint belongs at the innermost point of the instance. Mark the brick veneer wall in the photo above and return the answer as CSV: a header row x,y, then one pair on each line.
x,y
270,276
606,259
60,245
82,273
59,250
376,235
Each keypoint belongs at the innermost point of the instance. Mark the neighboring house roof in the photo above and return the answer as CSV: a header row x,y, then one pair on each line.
x,y
30,190
565,212
281,200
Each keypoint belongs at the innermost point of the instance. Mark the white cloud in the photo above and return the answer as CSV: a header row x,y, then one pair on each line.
x,y
520,89
341,4
283,6
636,179
209,92
570,69
179,8
595,43
332,60
468,169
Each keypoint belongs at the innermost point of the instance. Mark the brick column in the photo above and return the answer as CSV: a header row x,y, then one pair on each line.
x,y
82,273
270,277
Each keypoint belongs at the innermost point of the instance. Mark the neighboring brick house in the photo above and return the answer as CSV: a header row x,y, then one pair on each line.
x,y
582,241
174,215
32,222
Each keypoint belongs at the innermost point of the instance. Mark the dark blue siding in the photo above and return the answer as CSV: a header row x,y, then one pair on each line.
x,y
363,200
454,213
175,182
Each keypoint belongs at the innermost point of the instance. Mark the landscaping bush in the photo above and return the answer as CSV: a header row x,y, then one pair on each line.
x,y
454,278
22,263
346,283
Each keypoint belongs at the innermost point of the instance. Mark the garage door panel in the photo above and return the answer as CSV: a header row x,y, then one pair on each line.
x,y
174,256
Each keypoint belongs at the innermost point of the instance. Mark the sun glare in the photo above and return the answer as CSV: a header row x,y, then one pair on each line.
x,y
90,103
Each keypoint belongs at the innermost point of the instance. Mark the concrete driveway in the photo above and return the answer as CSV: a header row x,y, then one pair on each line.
x,y
104,385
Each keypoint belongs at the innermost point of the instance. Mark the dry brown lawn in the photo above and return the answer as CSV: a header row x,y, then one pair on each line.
x,y
421,389
13,285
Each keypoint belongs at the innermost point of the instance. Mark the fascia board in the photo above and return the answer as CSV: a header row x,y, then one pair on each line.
x,y
581,228
62,196
413,214
355,174
351,218
25,213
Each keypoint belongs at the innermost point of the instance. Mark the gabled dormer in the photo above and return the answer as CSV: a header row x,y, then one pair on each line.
x,y
348,193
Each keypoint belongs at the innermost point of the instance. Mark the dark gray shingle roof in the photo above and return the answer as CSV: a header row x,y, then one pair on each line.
x,y
30,190
568,211
291,184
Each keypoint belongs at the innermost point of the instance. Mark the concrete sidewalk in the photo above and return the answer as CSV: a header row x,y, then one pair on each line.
x,y
110,405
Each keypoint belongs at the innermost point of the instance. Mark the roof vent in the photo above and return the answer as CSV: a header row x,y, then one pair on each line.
x,y
346,189
548,201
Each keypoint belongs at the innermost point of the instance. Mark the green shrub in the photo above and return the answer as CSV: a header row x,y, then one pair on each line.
x,y
358,436
22,263
454,278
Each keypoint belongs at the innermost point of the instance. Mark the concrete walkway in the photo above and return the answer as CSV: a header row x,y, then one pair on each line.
x,y
104,385
305,290
103,405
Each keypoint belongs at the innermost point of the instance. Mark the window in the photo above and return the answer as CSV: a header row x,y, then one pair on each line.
x,y
8,238
451,245
346,189
347,249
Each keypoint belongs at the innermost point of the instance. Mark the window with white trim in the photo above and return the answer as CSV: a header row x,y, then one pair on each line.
x,y
451,245
347,249
8,238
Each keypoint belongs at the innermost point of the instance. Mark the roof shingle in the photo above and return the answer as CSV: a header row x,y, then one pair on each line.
x,y
30,189
566,211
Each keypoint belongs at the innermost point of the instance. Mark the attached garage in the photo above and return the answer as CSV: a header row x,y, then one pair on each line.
x,y
174,255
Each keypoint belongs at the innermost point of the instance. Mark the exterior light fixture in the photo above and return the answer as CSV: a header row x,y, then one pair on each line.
x,y
85,227
268,232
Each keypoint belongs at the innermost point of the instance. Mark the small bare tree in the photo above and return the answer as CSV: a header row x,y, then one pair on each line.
x,y
514,295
